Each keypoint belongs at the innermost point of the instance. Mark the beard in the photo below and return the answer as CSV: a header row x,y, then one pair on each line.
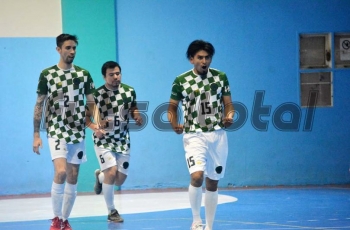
x,y
113,85
69,60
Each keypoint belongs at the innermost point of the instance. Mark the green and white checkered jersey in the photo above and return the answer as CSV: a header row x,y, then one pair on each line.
x,y
65,107
115,106
201,99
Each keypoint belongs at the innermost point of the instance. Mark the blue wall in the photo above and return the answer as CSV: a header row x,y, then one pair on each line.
x,y
20,62
256,45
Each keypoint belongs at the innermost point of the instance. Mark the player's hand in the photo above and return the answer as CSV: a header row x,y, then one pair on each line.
x,y
103,124
36,144
228,121
99,133
99,129
178,129
138,120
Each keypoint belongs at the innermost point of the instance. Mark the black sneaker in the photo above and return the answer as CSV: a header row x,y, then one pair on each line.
x,y
98,185
115,217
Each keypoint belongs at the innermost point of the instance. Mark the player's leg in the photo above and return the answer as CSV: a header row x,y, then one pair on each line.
x,y
123,162
58,155
195,149
120,178
120,172
70,190
108,185
75,157
216,165
107,178
106,160
57,188
195,197
70,194
210,202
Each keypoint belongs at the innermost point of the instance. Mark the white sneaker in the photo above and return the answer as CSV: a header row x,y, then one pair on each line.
x,y
197,226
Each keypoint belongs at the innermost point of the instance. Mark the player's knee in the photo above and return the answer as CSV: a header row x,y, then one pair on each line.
x,y
60,176
72,177
197,183
211,185
120,179
111,172
197,179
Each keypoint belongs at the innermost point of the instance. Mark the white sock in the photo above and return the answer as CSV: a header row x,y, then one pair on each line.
x,y
57,198
70,193
210,201
108,193
101,177
195,194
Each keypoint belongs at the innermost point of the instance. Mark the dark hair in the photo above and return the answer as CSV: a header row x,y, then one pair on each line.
x,y
109,65
198,45
65,37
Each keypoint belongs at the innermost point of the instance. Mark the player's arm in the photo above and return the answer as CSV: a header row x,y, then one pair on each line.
x,y
91,112
228,111
173,116
135,114
38,110
93,118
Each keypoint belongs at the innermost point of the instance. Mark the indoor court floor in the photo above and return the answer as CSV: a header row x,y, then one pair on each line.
x,y
326,207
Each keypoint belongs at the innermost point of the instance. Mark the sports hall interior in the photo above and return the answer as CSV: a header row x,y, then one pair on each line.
x,y
288,65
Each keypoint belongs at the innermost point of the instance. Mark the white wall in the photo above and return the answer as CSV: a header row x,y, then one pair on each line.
x,y
30,18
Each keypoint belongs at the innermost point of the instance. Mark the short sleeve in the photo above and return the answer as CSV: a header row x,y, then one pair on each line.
x,y
89,85
176,91
133,103
226,88
42,85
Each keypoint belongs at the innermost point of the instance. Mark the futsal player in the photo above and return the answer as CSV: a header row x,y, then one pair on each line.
x,y
207,108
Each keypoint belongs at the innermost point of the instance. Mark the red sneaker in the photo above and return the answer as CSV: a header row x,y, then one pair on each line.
x,y
66,225
56,224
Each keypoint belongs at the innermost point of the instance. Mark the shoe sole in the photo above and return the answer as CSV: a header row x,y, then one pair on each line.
x,y
114,221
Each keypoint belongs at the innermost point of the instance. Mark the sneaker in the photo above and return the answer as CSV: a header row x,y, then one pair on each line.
x,y
56,224
98,185
66,225
115,217
197,226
